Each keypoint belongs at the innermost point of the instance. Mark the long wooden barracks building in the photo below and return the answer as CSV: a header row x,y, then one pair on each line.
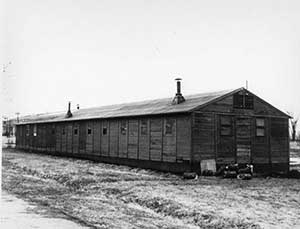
x,y
174,134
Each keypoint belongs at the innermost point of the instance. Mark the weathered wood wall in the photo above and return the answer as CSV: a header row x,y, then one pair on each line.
x,y
203,136
75,141
132,138
270,151
173,138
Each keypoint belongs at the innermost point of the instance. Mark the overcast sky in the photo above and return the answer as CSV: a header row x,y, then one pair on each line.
x,y
95,52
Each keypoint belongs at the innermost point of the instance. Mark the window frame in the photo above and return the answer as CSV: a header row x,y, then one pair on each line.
x,y
123,127
89,130
260,127
144,127
226,125
104,131
243,100
169,126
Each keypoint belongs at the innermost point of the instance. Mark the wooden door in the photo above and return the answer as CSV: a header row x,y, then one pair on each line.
x,y
243,140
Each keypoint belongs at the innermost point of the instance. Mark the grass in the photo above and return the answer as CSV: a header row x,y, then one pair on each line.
x,y
109,196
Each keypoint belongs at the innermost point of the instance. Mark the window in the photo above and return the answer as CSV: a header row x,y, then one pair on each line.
x,y
76,131
249,103
89,131
243,100
63,131
104,131
144,127
35,130
123,127
226,125
53,130
260,127
169,126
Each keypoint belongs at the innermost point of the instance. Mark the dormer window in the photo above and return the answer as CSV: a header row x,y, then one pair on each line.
x,y
243,100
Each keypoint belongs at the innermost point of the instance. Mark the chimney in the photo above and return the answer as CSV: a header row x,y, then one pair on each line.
x,y
69,113
178,96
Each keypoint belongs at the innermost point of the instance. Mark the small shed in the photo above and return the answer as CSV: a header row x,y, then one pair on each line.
x,y
173,134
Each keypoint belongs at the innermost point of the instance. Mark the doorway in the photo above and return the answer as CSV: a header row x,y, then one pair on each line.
x,y
243,140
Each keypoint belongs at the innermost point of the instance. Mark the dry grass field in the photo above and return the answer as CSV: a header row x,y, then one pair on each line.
x,y
108,196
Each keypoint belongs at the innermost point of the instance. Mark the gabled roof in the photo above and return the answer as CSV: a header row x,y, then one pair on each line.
x,y
150,107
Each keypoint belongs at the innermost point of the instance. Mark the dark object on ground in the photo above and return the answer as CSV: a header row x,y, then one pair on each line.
x,y
231,171
247,170
294,174
232,167
190,176
207,172
244,176
236,171
230,174
279,174
220,171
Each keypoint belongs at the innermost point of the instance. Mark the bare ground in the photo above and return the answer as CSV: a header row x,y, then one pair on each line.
x,y
16,213
108,196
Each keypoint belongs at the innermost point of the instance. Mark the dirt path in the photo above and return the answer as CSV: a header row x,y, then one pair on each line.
x,y
18,214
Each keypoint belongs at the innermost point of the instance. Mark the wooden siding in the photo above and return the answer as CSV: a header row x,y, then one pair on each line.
x,y
193,137
43,137
58,138
113,138
104,138
183,136
75,140
156,128
169,141
243,136
82,137
89,137
96,137
123,139
133,138
203,136
260,153
64,138
279,140
225,105
225,146
144,141
69,137
38,138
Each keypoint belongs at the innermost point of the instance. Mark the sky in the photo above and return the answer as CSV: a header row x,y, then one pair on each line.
x,y
96,52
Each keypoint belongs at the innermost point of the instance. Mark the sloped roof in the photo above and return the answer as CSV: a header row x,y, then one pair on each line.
x,y
150,107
